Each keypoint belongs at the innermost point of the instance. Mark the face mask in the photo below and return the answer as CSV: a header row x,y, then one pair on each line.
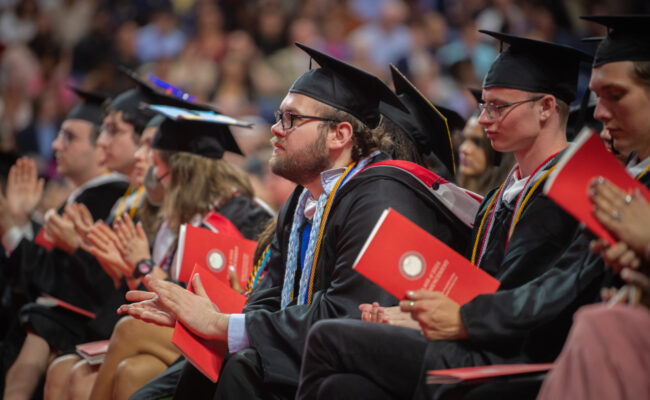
x,y
155,189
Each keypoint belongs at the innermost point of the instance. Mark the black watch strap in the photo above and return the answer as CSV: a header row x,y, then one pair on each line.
x,y
143,267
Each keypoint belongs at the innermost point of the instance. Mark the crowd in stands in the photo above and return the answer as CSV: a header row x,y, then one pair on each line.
x,y
239,55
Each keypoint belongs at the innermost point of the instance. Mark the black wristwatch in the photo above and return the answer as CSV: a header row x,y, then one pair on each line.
x,y
143,267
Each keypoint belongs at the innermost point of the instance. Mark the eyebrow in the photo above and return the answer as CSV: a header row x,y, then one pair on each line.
x,y
292,110
609,86
496,100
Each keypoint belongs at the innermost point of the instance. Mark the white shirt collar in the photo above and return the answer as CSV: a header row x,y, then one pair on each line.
x,y
514,188
329,178
636,166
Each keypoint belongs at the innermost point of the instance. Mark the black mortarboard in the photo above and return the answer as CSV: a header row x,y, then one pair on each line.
x,y
345,87
155,121
628,38
454,120
536,66
90,108
204,133
423,123
131,101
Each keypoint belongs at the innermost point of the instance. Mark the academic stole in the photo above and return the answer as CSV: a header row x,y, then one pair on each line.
x,y
258,269
534,180
134,206
313,248
642,173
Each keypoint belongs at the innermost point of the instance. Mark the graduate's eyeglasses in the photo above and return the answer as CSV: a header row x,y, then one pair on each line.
x,y
112,129
494,110
286,118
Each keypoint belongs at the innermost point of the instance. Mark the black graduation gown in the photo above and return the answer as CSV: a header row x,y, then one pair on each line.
x,y
32,269
247,216
546,274
279,335
38,270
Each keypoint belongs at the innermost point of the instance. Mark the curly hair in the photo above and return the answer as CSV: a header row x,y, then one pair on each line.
x,y
402,147
366,140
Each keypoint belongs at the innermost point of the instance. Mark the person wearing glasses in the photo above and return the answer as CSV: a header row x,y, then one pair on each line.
x,y
76,276
323,140
518,236
33,268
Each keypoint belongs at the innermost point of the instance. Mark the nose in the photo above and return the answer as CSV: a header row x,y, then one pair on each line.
x,y
465,147
277,130
602,113
484,119
57,144
103,139
140,153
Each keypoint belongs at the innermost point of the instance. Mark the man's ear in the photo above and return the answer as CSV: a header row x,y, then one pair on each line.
x,y
549,104
340,136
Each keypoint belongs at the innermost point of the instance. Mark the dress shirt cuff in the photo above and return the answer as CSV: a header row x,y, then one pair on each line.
x,y
237,335
12,238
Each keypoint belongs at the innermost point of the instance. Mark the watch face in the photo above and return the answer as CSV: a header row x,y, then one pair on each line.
x,y
143,268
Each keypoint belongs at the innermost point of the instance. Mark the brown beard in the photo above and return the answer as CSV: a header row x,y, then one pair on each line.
x,y
305,165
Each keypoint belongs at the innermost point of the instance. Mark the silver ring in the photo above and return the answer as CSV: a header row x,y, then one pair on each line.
x,y
411,304
628,199
616,215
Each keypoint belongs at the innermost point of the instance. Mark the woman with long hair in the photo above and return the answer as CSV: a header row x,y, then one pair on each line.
x,y
481,167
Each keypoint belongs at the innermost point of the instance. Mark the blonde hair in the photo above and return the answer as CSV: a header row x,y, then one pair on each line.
x,y
197,184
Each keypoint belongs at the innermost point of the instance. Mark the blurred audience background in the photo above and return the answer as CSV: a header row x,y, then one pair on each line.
x,y
238,55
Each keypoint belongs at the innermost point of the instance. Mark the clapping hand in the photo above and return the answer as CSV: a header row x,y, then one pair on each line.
x,y
167,302
81,218
60,229
102,244
24,190
131,241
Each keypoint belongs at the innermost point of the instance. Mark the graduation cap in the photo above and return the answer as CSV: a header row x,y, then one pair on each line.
x,y
155,121
204,133
536,66
345,87
455,121
627,38
90,108
425,125
132,101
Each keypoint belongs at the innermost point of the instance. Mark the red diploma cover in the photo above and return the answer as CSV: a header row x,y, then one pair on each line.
x,y
568,184
93,352
400,256
218,251
455,375
208,355
51,301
